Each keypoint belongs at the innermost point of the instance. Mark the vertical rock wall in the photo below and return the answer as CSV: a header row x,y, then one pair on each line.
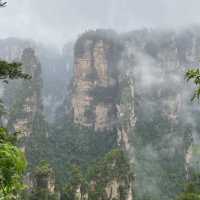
x,y
95,86
28,96
103,100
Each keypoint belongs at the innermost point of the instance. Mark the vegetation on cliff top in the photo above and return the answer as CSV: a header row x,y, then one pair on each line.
x,y
194,76
191,189
113,167
43,175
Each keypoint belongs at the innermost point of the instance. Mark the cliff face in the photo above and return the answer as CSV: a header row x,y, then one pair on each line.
x,y
103,86
56,71
138,94
151,109
95,84
126,106
26,112
28,96
166,120
96,103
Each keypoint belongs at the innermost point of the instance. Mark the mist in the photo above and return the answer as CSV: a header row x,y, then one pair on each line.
x,y
57,22
160,40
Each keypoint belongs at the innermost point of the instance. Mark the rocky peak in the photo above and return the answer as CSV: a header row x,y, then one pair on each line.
x,y
95,82
28,101
12,48
41,183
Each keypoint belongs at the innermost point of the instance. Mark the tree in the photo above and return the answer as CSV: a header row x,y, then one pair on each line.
x,y
194,75
191,189
43,175
93,182
2,4
11,71
75,181
12,166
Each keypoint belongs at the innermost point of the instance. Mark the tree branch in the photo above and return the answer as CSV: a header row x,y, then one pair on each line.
x,y
2,4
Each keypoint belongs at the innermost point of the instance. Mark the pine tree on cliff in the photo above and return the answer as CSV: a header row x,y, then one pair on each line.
x,y
194,75
11,71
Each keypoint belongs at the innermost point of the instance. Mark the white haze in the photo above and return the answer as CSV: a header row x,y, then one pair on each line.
x,y
58,21
150,78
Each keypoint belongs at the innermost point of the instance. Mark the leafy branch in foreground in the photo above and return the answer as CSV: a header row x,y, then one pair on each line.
x,y
194,75
12,166
2,4
12,71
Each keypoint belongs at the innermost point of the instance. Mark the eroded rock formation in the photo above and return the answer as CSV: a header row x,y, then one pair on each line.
x,y
28,96
109,179
41,183
95,84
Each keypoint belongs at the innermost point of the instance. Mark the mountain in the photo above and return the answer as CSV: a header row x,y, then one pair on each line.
x,y
165,117
56,70
140,77
111,114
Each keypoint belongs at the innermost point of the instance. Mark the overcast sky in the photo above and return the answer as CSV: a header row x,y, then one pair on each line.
x,y
58,21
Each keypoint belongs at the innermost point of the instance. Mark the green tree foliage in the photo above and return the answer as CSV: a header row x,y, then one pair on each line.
x,y
43,169
5,137
11,71
114,166
194,75
76,180
75,145
42,174
12,166
192,188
